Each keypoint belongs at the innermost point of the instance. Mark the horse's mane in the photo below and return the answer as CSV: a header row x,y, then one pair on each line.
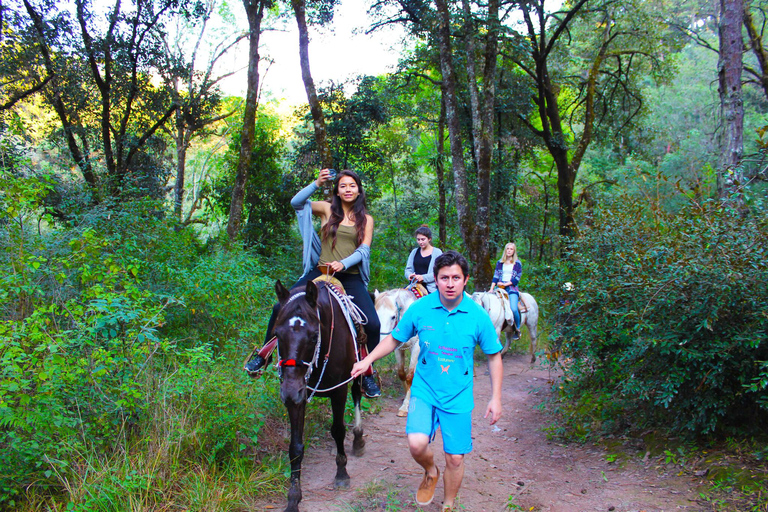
x,y
384,298
388,297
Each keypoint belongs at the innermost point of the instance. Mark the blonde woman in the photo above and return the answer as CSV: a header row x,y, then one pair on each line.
x,y
507,274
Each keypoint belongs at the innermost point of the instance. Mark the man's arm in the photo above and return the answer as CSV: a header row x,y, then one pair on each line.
x,y
384,347
496,370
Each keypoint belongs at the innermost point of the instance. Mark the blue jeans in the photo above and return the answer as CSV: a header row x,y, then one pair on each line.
x,y
514,298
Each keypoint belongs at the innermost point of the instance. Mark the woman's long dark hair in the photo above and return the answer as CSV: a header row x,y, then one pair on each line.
x,y
359,210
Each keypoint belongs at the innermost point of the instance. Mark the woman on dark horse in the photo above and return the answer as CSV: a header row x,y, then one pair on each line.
x,y
344,246
507,275
421,259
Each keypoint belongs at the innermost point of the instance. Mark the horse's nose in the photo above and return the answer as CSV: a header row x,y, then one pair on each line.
x,y
293,387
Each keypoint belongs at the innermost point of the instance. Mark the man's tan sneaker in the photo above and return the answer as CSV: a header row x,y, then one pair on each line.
x,y
426,491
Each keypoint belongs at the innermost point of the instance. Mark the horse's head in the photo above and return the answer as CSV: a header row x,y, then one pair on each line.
x,y
297,328
390,306
387,311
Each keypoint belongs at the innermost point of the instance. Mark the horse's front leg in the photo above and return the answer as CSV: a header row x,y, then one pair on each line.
x,y
358,443
338,432
408,381
295,452
400,365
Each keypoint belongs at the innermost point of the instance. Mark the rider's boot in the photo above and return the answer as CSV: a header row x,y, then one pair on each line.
x,y
369,385
516,329
255,364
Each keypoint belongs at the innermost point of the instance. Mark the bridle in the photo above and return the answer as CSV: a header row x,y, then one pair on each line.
x,y
293,362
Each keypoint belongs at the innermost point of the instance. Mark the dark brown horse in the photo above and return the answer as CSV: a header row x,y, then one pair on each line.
x,y
308,317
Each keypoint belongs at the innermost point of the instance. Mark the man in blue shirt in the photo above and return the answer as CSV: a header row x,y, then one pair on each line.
x,y
449,324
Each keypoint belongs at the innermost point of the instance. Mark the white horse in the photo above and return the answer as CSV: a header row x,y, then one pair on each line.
x,y
497,310
390,306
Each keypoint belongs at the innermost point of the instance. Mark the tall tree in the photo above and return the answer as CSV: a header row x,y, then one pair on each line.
x,y
195,90
474,223
730,175
618,43
476,47
255,12
102,77
321,136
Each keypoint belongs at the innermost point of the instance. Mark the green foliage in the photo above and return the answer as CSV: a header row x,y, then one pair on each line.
x,y
267,209
351,124
119,342
666,326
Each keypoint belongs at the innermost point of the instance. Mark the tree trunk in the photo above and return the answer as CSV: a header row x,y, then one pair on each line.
x,y
255,11
758,48
461,193
730,174
321,137
80,157
181,164
474,228
442,214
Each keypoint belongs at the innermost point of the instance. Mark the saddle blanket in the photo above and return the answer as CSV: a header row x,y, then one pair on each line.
x,y
504,297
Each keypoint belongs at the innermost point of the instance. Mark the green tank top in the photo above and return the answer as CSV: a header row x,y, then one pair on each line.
x,y
346,243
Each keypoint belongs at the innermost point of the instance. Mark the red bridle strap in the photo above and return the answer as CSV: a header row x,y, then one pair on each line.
x,y
291,362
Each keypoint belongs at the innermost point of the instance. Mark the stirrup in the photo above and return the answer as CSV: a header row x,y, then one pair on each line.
x,y
264,352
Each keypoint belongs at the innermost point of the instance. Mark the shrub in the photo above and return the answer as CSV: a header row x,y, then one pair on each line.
x,y
100,353
668,315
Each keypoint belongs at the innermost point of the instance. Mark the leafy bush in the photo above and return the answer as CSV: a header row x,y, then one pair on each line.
x,y
668,316
102,365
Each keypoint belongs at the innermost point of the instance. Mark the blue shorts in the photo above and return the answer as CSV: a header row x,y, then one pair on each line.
x,y
456,429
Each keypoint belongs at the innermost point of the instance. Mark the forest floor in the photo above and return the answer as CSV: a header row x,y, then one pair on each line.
x,y
513,466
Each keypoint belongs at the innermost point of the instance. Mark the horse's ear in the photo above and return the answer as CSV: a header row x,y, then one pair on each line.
x,y
311,293
376,293
281,291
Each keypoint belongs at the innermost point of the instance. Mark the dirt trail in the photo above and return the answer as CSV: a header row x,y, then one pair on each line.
x,y
512,467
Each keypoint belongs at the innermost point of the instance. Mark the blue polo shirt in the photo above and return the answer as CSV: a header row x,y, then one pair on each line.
x,y
447,340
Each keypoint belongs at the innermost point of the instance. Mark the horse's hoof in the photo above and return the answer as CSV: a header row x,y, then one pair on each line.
x,y
402,414
341,483
358,447
533,359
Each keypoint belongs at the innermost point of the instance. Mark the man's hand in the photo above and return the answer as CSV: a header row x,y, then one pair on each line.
x,y
360,368
494,409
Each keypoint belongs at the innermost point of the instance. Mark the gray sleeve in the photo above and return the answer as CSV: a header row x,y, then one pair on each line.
x,y
361,253
409,265
301,197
